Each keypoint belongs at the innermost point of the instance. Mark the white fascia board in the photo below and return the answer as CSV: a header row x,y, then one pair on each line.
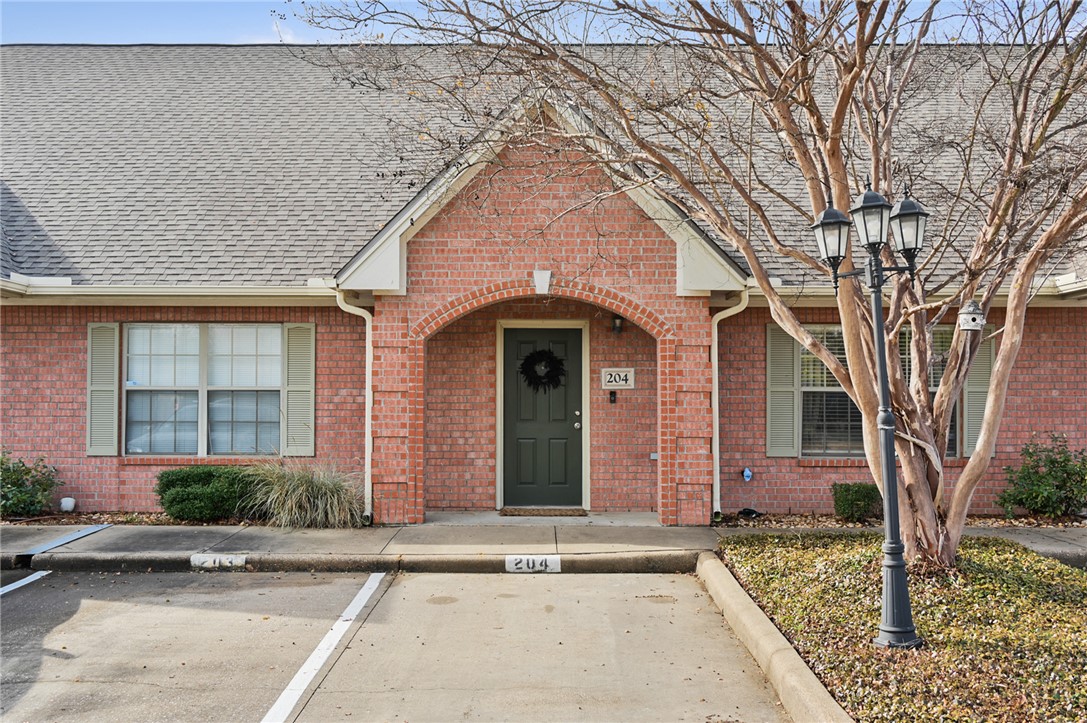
x,y
40,280
824,296
1069,287
12,288
102,294
380,270
382,267
700,269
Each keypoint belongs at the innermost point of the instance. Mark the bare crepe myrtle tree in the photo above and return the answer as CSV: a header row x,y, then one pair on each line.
x,y
752,118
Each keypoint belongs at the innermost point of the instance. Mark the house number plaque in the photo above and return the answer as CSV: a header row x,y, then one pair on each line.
x,y
616,378
533,563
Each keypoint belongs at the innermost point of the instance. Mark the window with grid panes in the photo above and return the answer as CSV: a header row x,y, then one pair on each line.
x,y
196,389
830,424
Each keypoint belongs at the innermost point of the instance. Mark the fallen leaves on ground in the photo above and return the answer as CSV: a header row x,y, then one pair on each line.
x,y
114,518
813,521
1005,632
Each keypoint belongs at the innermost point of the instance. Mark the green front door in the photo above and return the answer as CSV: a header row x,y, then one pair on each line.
x,y
542,429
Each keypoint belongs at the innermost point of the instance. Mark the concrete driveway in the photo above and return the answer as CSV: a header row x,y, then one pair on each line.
x,y
198,647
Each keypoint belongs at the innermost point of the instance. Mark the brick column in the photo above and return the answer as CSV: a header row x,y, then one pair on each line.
x,y
394,497
667,424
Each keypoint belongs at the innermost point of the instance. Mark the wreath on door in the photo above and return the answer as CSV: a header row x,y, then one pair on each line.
x,y
541,369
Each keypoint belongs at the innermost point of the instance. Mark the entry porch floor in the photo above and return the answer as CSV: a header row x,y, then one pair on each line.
x,y
592,519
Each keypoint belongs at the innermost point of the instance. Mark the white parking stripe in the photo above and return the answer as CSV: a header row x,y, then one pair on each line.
x,y
305,675
25,581
72,537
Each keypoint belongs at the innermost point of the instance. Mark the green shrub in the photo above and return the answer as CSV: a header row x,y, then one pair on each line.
x,y
217,500
197,475
201,493
1052,480
25,489
856,501
295,494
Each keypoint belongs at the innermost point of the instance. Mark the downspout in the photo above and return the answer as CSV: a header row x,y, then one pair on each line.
x,y
715,396
368,434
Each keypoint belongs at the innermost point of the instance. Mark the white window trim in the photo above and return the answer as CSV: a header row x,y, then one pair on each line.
x,y
202,391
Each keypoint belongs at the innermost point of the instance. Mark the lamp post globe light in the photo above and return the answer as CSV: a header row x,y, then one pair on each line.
x,y
874,216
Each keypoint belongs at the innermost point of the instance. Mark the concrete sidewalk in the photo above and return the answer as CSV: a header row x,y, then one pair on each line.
x,y
603,545
477,544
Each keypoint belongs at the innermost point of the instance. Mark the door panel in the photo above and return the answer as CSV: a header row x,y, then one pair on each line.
x,y
542,448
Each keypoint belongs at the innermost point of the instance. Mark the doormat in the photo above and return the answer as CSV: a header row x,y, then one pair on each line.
x,y
542,512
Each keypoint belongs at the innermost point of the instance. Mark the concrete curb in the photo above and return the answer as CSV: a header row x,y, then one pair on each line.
x,y
1071,558
112,561
804,697
653,561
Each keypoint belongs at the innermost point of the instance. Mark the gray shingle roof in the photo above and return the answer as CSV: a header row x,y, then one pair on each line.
x,y
230,165
185,165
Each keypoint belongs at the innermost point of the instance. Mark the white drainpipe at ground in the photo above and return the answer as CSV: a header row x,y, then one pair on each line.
x,y
368,443
715,396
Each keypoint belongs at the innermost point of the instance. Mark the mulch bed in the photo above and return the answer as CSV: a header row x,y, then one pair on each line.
x,y
771,522
1004,631
768,522
117,518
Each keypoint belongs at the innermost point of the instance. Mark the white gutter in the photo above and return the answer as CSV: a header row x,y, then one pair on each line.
x,y
1072,289
16,292
715,396
162,290
368,434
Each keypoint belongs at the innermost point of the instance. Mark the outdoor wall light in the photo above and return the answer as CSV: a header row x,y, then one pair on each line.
x,y
617,324
874,217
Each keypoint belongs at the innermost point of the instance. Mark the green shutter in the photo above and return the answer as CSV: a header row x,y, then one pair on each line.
x,y
782,393
299,390
103,388
975,393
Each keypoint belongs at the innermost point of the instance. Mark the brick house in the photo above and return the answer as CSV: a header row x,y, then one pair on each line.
x,y
207,258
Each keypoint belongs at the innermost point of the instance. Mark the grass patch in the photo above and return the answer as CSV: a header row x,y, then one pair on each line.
x,y
1005,634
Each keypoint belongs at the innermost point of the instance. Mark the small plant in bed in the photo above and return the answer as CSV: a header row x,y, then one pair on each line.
x,y
201,493
25,489
1051,481
297,494
856,501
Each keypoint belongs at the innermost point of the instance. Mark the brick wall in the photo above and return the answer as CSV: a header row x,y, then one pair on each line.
x,y
43,377
460,432
481,249
1047,393
43,382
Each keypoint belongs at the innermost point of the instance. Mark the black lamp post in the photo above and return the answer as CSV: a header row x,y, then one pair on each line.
x,y
872,216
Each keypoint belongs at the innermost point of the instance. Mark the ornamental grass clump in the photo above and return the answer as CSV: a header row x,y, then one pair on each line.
x,y
1005,630
295,494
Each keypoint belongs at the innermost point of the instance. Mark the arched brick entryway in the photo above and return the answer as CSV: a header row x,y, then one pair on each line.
x,y
606,298
461,306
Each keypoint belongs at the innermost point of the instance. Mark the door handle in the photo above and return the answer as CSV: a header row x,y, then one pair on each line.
x,y
577,425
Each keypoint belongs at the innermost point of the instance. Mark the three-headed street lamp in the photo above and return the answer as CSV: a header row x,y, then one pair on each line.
x,y
873,216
